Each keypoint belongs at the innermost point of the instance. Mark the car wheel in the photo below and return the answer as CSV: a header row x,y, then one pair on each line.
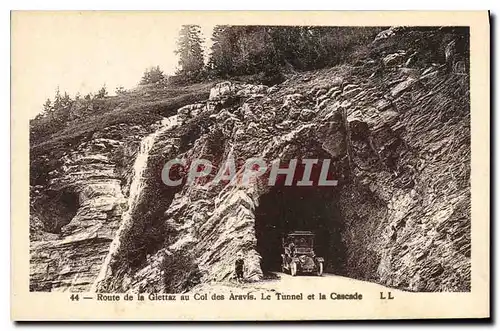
x,y
319,272
293,269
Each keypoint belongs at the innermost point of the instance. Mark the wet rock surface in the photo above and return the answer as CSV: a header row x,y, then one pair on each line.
x,y
74,217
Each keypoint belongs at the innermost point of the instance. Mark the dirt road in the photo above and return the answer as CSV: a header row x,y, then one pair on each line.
x,y
285,283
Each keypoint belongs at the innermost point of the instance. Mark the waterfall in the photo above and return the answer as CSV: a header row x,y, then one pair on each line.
x,y
136,187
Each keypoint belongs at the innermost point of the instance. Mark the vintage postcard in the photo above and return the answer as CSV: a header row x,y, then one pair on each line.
x,y
200,166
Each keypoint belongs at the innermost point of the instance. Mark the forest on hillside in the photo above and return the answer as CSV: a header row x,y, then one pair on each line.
x,y
268,51
265,51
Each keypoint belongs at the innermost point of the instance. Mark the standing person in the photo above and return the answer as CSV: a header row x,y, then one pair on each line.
x,y
289,251
291,248
238,267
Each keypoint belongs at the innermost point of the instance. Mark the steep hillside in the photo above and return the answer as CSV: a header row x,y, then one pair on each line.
x,y
395,124
80,179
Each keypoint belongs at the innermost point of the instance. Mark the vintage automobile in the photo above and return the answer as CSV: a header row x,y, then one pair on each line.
x,y
299,254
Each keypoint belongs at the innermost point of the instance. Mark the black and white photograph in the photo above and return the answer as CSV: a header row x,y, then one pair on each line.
x,y
281,162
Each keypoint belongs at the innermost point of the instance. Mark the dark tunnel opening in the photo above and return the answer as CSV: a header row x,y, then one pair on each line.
x,y
285,209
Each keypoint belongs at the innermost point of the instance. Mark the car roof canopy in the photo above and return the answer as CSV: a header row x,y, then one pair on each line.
x,y
301,233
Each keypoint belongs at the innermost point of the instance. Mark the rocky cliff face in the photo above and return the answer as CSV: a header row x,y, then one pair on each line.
x,y
76,212
395,127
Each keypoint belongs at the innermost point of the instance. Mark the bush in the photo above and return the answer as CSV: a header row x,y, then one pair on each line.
x,y
180,271
272,75
152,75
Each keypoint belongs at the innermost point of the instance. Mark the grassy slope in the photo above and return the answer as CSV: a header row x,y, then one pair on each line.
x,y
141,106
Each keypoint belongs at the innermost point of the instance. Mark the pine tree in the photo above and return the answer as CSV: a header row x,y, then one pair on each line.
x,y
57,99
65,100
120,90
47,106
152,75
220,63
190,52
102,93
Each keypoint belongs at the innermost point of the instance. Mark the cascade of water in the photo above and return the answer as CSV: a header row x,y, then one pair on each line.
x,y
136,187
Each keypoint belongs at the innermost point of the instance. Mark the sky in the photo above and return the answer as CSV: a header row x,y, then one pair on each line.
x,y
81,53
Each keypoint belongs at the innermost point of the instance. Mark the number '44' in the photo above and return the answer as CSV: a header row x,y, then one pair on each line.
x,y
74,297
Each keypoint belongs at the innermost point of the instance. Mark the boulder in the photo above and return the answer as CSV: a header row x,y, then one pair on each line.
x,y
306,114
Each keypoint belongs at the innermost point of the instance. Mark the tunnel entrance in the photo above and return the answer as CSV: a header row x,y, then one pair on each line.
x,y
285,209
